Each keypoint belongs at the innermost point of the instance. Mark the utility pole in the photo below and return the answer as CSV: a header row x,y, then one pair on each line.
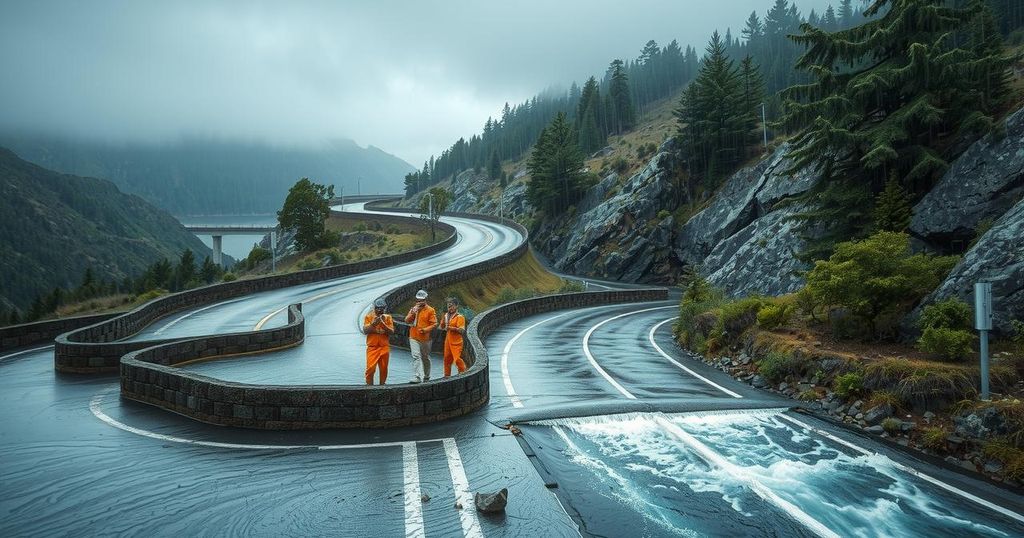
x,y
359,183
764,127
430,214
273,251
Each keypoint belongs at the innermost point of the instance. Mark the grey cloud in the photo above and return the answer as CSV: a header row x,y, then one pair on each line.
x,y
409,77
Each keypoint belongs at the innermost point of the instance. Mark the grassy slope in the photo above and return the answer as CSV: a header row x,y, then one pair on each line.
x,y
482,292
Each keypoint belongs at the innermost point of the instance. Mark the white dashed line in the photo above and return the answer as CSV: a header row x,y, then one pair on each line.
x,y
413,503
470,524
650,336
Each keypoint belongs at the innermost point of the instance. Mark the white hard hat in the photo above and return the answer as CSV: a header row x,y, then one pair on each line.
x,y
422,294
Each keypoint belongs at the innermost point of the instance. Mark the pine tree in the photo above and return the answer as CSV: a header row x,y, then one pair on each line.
x,y
752,87
829,23
186,269
557,179
713,115
887,98
892,208
209,271
494,166
621,104
846,15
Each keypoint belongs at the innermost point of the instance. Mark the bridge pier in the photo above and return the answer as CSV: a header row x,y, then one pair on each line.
x,y
218,258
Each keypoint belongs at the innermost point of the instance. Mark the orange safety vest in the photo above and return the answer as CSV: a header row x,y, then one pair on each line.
x,y
378,337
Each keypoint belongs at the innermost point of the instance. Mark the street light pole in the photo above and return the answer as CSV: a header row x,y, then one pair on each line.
x,y
430,214
764,127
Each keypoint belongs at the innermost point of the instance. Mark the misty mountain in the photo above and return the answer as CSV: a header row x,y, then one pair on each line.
x,y
56,225
214,177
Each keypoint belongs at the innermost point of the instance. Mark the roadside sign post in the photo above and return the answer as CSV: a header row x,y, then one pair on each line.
x,y
983,322
273,251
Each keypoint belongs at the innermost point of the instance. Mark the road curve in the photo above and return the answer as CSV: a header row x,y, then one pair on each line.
x,y
78,460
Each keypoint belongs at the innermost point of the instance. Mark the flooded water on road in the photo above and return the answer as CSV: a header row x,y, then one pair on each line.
x,y
741,473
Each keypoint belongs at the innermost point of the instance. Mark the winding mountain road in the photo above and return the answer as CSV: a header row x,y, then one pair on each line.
x,y
77,460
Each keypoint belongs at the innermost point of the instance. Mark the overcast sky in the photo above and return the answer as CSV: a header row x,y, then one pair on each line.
x,y
408,77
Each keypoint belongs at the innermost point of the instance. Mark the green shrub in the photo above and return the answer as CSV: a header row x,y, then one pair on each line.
x,y
884,397
572,286
1011,457
777,366
932,384
508,294
359,227
229,277
892,425
772,316
740,315
699,299
947,344
620,165
152,294
335,256
876,276
664,214
257,255
949,314
809,395
934,438
848,384
392,230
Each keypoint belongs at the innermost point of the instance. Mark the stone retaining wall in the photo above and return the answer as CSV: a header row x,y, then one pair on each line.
x,y
151,376
28,334
94,348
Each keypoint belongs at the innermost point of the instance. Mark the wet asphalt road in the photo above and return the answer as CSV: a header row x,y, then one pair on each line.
x,y
76,460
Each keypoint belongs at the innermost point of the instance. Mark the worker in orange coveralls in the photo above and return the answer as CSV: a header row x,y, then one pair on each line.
x,y
455,325
422,319
378,326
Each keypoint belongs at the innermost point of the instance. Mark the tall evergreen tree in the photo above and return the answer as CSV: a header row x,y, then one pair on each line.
x,y
892,208
846,15
622,117
557,179
888,98
494,166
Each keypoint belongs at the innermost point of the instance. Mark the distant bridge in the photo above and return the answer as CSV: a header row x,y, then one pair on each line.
x,y
217,232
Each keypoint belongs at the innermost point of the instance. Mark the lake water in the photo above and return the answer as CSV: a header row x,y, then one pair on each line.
x,y
236,246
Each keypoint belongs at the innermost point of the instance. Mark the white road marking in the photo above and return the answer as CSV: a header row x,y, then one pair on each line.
x,y
470,524
650,336
5,357
737,472
490,239
176,320
413,503
590,356
96,407
907,469
509,389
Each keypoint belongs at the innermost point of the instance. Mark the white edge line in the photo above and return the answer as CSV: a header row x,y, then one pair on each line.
x,y
506,378
171,324
590,356
470,523
5,357
413,503
650,336
757,487
907,469
95,407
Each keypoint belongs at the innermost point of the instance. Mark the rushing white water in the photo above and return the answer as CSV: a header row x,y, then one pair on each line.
x,y
805,478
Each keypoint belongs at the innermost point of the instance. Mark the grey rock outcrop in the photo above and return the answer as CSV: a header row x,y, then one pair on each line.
x,y
616,234
981,184
746,241
998,257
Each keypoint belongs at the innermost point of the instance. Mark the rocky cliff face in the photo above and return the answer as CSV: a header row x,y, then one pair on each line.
x,y
744,241
982,184
998,257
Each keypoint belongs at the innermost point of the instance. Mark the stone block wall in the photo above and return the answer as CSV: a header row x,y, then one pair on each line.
x,y
151,376
43,332
94,348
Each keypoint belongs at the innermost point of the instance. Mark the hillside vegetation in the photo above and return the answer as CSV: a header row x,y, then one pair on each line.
x,y
56,226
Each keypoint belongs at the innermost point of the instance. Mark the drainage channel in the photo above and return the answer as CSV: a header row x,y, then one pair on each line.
x,y
742,472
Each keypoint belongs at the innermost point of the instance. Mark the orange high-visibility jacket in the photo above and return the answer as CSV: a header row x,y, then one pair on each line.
x,y
378,337
427,317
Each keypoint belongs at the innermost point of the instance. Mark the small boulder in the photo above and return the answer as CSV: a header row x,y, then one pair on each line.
x,y
491,502
877,414
759,382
